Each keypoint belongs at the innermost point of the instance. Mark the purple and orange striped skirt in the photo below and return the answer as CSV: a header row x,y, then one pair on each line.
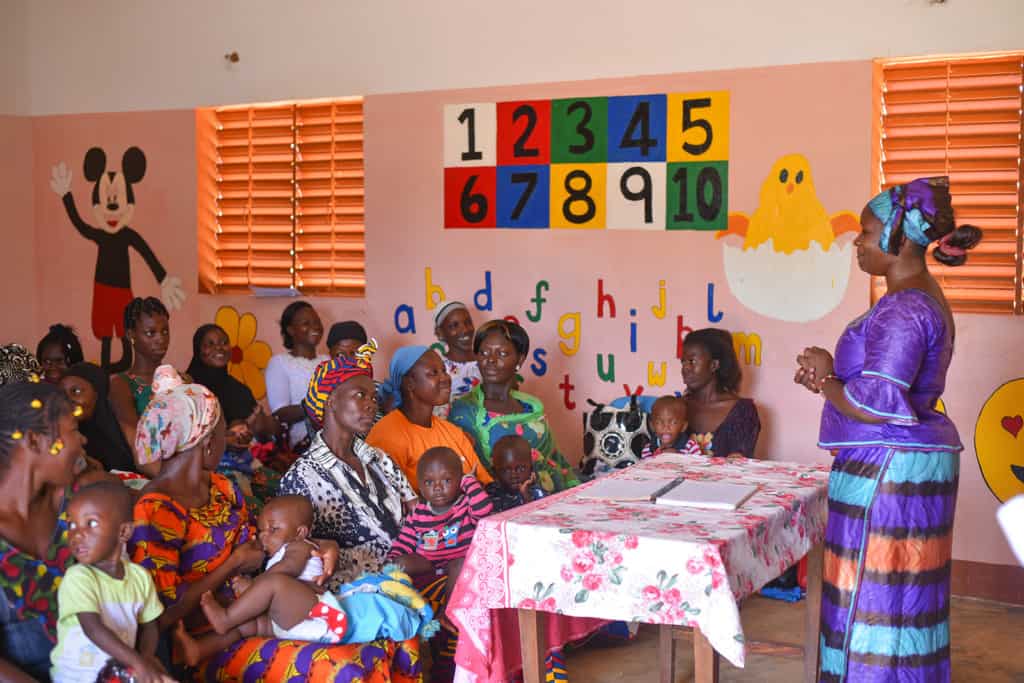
x,y
888,549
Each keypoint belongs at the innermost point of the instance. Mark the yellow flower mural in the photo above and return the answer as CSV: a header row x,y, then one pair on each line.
x,y
249,356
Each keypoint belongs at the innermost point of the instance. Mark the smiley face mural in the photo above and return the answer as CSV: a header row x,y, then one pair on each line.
x,y
999,440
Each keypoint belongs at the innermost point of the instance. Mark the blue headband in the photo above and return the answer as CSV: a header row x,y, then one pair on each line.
x,y
401,363
911,210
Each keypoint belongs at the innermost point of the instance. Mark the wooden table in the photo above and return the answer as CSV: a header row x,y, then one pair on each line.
x,y
705,659
671,566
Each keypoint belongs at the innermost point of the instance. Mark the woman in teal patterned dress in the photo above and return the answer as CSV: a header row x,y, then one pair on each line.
x,y
493,409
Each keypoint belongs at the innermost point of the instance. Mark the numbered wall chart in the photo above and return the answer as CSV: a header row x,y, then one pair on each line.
x,y
638,162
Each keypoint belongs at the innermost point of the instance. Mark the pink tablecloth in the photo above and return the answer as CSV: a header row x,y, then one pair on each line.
x,y
638,561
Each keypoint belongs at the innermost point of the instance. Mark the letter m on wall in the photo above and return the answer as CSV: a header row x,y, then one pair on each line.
x,y
748,347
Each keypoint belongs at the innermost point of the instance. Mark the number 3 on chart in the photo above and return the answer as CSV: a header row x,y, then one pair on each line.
x,y
579,131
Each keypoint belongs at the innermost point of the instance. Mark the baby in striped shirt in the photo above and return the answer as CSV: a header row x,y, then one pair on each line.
x,y
440,527
668,424
435,536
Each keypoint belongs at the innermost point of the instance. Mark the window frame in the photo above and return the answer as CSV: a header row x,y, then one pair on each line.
x,y
281,198
965,285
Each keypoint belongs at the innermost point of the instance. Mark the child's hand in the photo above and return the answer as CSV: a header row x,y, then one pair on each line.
x,y
150,670
328,551
524,488
402,562
239,436
240,584
248,557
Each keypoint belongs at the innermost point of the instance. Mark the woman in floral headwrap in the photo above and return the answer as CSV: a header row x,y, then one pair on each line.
x,y
359,495
193,532
892,493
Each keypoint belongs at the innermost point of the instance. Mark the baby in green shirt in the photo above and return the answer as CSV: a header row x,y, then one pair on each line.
x,y
107,606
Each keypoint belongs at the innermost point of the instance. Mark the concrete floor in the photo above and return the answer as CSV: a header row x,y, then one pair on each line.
x,y
987,642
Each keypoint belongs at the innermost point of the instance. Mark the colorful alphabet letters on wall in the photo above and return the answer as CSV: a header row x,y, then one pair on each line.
x,y
636,162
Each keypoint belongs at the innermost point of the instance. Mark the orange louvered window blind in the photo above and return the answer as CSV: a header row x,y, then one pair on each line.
x,y
961,117
281,198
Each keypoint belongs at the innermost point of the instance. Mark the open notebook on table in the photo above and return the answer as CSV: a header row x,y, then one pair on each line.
x,y
717,495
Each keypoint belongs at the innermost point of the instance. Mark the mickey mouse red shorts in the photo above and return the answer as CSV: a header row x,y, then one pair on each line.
x,y
108,304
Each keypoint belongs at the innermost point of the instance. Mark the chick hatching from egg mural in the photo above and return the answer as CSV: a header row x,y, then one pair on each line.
x,y
790,259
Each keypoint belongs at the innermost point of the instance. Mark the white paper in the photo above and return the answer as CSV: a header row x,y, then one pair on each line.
x,y
613,488
717,495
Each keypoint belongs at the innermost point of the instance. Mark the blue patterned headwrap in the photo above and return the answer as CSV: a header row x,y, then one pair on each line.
x,y
401,363
920,211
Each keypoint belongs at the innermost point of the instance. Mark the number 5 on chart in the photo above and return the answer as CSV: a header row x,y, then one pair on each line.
x,y
698,126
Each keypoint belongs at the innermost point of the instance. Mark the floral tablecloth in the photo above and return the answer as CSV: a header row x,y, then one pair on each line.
x,y
638,561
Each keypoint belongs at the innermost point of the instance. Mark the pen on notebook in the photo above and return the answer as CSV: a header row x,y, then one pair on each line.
x,y
666,488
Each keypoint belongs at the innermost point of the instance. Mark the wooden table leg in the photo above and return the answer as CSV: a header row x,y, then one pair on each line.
x,y
666,654
532,642
812,615
705,659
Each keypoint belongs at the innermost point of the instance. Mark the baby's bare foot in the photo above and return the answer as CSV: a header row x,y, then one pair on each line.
x,y
188,645
215,614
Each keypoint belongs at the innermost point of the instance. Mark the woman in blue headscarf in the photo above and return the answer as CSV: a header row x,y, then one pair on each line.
x,y
892,492
417,384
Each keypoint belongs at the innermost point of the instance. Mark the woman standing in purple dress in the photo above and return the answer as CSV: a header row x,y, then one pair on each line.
x,y
892,492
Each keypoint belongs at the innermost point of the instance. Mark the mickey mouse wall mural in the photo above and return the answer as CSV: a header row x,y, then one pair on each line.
x,y
113,206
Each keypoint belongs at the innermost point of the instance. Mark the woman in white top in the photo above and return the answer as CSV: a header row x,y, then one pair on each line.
x,y
287,375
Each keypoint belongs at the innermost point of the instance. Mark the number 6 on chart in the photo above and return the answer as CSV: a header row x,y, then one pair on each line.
x,y
469,197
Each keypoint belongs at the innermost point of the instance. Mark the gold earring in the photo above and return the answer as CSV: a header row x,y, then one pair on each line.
x,y
57,447
16,435
36,403
77,412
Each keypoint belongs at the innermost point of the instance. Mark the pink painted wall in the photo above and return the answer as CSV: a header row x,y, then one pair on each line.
x,y
165,214
404,180
821,111
17,232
